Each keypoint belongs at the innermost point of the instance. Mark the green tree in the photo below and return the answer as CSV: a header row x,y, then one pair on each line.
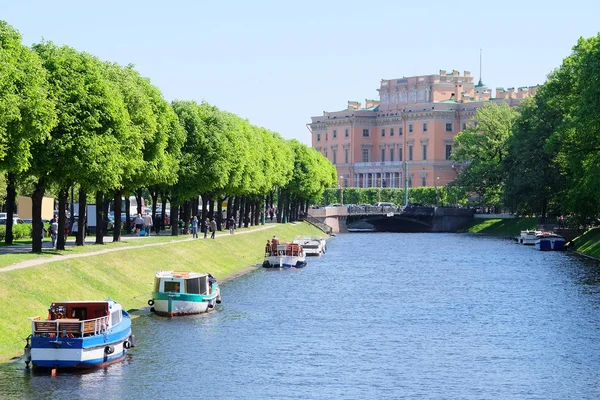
x,y
26,112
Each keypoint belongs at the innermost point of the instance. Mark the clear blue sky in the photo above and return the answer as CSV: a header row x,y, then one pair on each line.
x,y
277,63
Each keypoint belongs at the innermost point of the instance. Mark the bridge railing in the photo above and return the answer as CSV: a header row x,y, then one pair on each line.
x,y
374,210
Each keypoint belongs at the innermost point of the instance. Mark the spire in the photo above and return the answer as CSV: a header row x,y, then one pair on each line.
x,y
480,83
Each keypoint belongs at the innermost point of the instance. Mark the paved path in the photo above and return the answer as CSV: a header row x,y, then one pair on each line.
x,y
92,239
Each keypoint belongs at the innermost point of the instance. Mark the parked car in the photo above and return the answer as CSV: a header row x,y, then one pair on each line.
x,y
384,204
16,220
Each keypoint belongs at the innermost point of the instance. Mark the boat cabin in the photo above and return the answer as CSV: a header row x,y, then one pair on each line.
x,y
78,319
183,282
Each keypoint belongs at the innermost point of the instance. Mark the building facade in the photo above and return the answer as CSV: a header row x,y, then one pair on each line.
x,y
408,133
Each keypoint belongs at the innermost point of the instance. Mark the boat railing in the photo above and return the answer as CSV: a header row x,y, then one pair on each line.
x,y
69,327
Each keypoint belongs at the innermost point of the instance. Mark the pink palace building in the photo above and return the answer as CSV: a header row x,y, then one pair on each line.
x,y
410,128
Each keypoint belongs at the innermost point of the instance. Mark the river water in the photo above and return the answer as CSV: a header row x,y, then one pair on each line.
x,y
382,315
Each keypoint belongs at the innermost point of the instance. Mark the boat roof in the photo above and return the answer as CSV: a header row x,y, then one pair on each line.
x,y
179,274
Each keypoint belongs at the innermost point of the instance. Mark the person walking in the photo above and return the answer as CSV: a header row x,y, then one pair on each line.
x,y
147,223
54,230
213,228
195,227
206,227
231,224
139,223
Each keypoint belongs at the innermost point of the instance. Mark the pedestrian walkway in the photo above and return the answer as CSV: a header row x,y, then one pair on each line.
x,y
107,239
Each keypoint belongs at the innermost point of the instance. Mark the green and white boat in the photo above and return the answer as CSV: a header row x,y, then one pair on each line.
x,y
184,293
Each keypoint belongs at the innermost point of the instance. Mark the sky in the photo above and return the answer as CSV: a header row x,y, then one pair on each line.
x,y
278,63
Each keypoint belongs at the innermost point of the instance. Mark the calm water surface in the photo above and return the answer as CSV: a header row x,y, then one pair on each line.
x,y
388,316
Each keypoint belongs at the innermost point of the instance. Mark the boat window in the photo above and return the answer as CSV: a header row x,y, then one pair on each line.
x,y
79,312
204,285
171,286
156,284
192,286
115,317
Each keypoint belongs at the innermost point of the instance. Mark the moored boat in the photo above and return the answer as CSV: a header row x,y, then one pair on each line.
x,y
528,237
184,293
284,255
312,246
547,241
79,334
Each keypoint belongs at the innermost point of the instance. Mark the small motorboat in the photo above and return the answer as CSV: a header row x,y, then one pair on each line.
x,y
528,237
184,293
548,241
284,255
79,334
312,246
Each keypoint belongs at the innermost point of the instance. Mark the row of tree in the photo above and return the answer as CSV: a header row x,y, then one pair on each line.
x,y
68,119
542,158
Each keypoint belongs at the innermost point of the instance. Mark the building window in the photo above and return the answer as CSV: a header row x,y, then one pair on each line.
x,y
318,137
382,155
334,156
391,132
424,126
365,155
424,152
400,131
346,133
464,126
423,181
392,155
448,151
346,156
334,133
400,154
365,133
410,181
383,132
410,128
448,127
326,136
410,152
325,153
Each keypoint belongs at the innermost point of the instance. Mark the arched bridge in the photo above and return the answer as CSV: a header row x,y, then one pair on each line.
x,y
413,218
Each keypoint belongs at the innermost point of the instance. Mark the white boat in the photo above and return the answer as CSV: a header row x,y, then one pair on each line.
x,y
312,246
79,334
529,237
548,241
184,293
284,255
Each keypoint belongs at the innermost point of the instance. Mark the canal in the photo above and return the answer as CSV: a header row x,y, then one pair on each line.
x,y
382,315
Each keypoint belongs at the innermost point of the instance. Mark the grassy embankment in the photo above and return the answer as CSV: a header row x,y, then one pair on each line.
x,y
125,275
502,227
589,243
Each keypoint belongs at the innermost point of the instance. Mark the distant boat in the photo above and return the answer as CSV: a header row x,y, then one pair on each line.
x,y
548,241
184,293
285,255
312,246
528,237
79,334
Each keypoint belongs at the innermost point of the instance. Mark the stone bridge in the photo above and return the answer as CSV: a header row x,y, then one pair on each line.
x,y
393,219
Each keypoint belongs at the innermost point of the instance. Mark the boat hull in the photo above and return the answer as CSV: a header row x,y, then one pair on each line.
x,y
176,304
284,262
86,352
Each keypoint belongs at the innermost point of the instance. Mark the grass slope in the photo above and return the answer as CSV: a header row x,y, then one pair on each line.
x,y
589,243
125,275
505,227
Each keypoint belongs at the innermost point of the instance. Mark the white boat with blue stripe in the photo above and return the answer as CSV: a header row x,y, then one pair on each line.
x,y
79,334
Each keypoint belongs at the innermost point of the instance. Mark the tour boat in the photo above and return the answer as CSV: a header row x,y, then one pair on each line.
x,y
550,241
529,237
184,293
312,246
79,334
284,255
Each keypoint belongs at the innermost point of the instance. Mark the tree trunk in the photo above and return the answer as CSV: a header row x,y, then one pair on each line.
x,y
138,198
127,215
187,210
155,221
279,206
11,194
99,218
82,220
118,222
241,205
229,207
62,218
174,215
246,212
36,213
236,208
204,211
